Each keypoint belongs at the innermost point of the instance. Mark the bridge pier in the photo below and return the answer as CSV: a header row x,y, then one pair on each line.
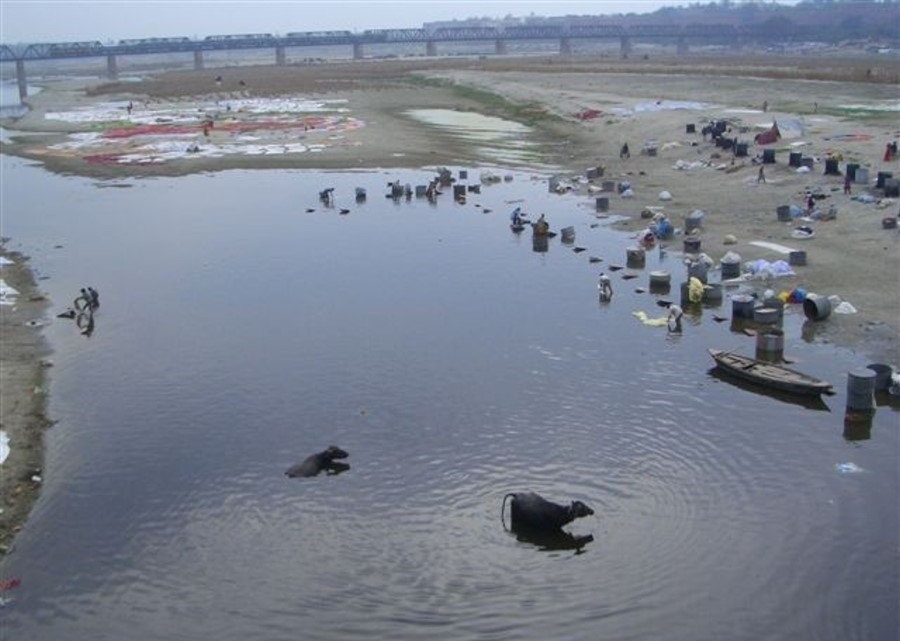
x,y
280,57
21,80
682,47
565,47
431,48
500,47
198,60
625,46
112,69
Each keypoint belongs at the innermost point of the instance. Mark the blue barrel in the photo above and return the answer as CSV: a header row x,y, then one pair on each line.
x,y
784,213
882,176
892,188
691,245
851,170
768,156
794,159
862,176
602,203
740,149
831,167
690,128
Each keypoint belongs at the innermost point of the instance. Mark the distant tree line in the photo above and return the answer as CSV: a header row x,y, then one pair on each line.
x,y
810,20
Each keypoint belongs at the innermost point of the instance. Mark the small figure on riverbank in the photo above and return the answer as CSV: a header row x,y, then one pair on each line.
x,y
761,177
624,152
94,296
847,183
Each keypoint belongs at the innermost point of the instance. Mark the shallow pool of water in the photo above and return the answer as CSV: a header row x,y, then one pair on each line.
x,y
239,332
497,139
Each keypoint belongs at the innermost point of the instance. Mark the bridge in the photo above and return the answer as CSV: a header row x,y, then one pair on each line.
x,y
431,38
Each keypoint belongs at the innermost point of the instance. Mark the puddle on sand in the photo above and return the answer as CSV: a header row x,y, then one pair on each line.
x,y
497,138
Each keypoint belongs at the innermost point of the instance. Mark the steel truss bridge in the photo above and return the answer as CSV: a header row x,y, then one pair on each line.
x,y
723,33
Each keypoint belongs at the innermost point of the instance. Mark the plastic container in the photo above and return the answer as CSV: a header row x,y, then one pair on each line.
x,y
816,308
635,257
861,389
742,306
882,375
770,342
765,316
730,269
694,220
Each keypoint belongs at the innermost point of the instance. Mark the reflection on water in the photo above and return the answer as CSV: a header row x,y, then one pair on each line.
x,y
496,138
809,402
245,325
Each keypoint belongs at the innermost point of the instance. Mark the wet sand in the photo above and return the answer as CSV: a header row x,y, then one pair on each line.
x,y
22,400
851,256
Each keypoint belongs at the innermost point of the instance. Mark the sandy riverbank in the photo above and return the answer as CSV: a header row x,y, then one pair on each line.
x,y
842,106
22,400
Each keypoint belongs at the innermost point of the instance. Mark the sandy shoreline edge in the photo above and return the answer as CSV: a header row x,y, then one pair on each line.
x,y
23,400
378,94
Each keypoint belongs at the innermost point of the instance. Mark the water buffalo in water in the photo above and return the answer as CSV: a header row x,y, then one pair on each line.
x,y
530,512
315,463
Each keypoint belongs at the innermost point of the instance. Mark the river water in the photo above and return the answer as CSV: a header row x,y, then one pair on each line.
x,y
239,333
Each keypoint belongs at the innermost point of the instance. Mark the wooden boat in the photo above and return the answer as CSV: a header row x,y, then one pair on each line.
x,y
769,374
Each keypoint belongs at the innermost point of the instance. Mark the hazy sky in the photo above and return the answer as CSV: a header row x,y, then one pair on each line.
x,y
74,20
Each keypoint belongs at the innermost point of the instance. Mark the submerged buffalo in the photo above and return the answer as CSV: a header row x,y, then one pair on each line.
x,y
315,463
530,512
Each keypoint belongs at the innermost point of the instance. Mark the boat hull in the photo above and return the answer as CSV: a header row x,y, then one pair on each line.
x,y
769,374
